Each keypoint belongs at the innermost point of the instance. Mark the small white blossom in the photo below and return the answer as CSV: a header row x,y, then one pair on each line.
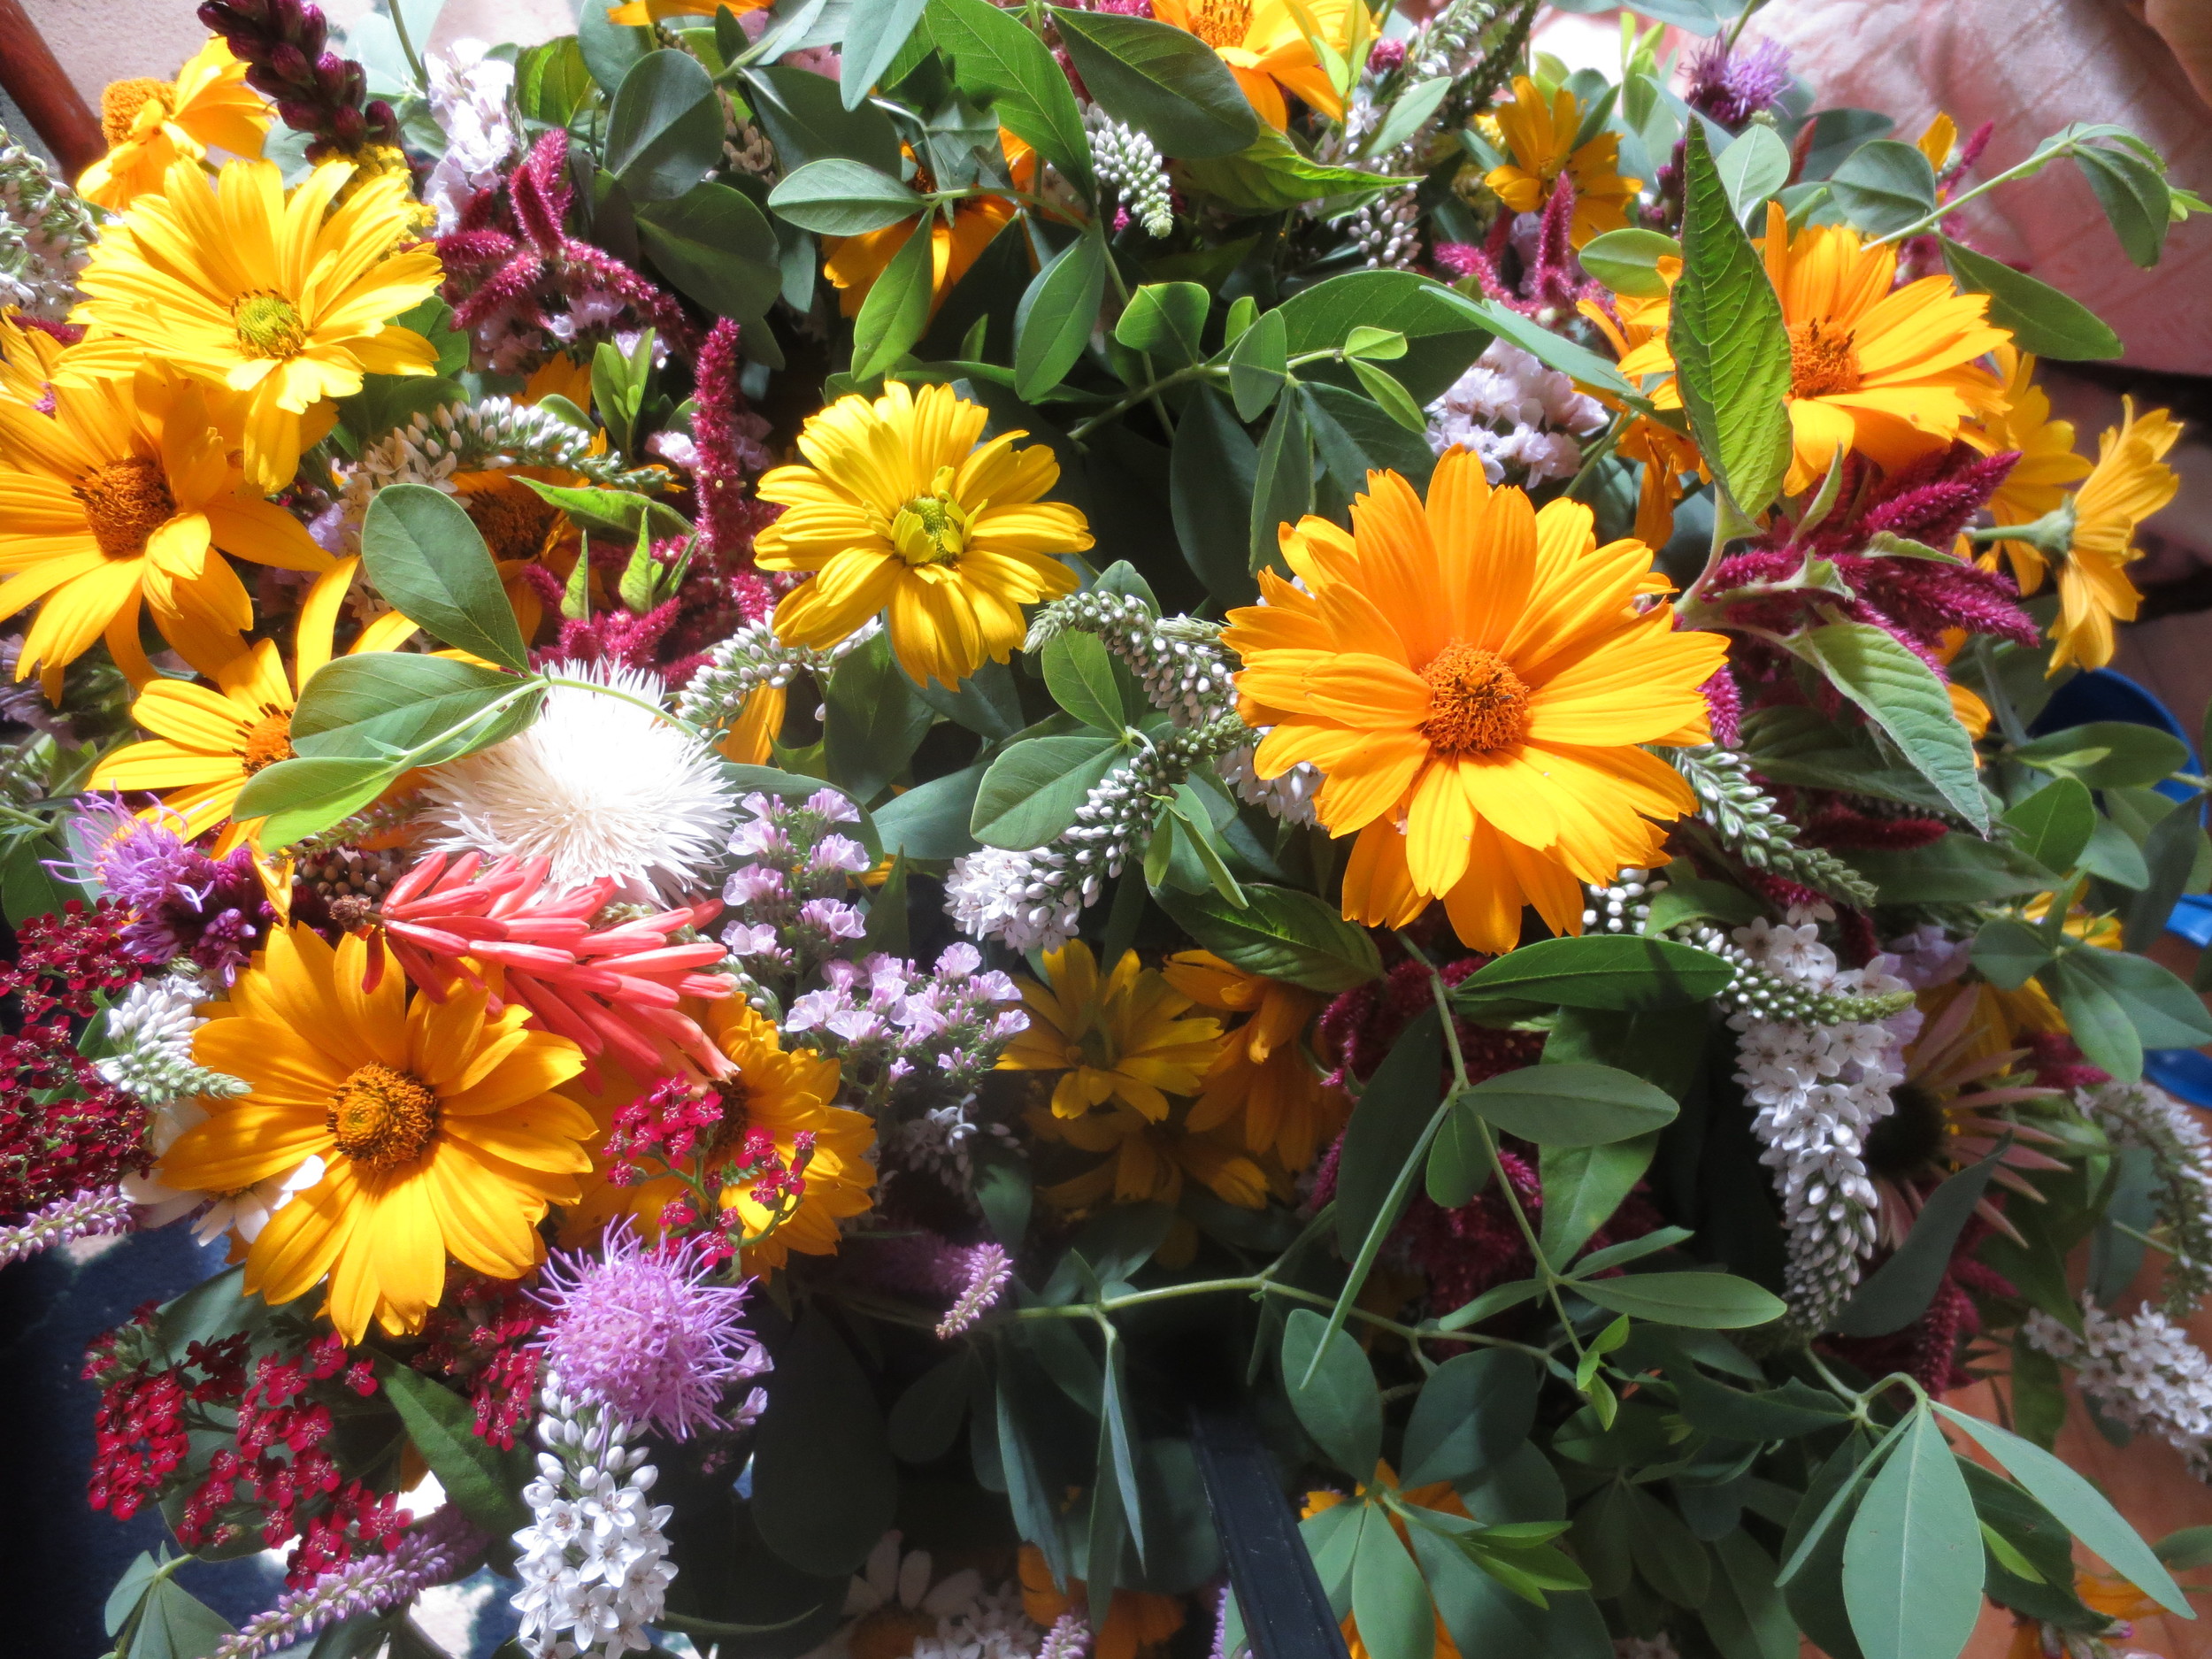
x,y
2142,1372
468,98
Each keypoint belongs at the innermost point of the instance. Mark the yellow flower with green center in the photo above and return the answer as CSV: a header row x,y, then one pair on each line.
x,y
150,125
903,506
288,298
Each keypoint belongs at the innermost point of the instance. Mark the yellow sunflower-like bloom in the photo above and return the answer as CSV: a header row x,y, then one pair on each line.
x,y
852,263
30,359
1120,1040
2129,482
1146,1162
901,505
644,13
150,125
1263,1078
2047,464
782,1092
1472,679
130,489
288,299
436,1122
207,742
1264,44
1890,373
1539,134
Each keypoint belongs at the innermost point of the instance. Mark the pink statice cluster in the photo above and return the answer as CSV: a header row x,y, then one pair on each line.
x,y
905,1037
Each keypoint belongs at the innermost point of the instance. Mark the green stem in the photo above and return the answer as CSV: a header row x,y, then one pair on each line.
x,y
2000,700
398,9
646,703
1196,370
1742,18
1602,448
1927,221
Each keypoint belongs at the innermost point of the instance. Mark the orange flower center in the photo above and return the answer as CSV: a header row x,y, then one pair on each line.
x,y
382,1118
1823,359
122,101
729,1134
126,502
1477,702
514,523
1222,22
268,326
268,740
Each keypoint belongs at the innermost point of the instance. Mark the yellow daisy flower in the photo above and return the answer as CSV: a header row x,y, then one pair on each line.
x,y
1890,373
1123,1041
2129,482
2047,464
208,742
436,1122
1263,1078
130,489
784,1093
1473,679
1266,47
1145,1163
288,299
30,360
151,124
901,505
1539,133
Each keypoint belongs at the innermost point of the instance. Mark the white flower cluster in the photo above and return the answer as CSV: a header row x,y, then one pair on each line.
x,y
1513,413
593,1560
149,1031
2140,1115
972,1621
1129,165
44,233
468,98
750,658
2142,1372
1622,906
1034,898
1818,1090
1387,230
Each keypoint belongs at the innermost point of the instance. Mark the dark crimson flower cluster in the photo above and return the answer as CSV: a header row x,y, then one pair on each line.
x,y
482,1336
281,44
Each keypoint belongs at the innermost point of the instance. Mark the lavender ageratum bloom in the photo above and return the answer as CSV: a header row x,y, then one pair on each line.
x,y
183,901
1732,87
634,1329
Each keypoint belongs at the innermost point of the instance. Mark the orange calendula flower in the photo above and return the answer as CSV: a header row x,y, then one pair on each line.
x,y
1890,373
1473,679
1138,1622
1123,1039
1264,1079
2129,482
852,263
436,1123
130,490
1539,133
1268,46
151,124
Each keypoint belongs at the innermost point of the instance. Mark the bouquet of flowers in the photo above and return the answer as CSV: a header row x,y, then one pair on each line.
x,y
978,831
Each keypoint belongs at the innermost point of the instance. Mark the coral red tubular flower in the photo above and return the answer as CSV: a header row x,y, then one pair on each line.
x,y
616,991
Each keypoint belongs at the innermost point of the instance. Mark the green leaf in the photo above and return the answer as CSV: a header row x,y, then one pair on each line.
x,y
1902,696
1899,1291
1669,1557
1583,1186
838,197
2053,824
1167,319
1080,673
298,798
1747,1580
2134,197
2008,954
1732,352
713,244
2166,1013
1259,365
2080,1507
2097,1020
807,121
1387,1128
2043,320
1608,971
1704,1302
1211,476
381,705
1281,934
1407,114
1390,1600
875,31
1282,490
1957,868
1195,827
476,1475
1332,1390
1057,312
1032,790
1627,261
174,1624
2172,851
1472,1411
1270,175
420,549
1492,1302
1574,1104
1160,78
1577,363
664,128
2109,754
995,56
1459,1164
552,81
610,51
824,1487
1753,168
896,311
2183,1551
615,513
875,720
1772,1414
1912,1562
931,819
1394,397
1884,186
926,1419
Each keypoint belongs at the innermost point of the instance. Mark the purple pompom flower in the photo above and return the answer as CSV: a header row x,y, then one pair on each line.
x,y
183,901
1732,87
638,1331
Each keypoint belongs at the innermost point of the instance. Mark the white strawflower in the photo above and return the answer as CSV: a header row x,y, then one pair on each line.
x,y
2142,1372
599,786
